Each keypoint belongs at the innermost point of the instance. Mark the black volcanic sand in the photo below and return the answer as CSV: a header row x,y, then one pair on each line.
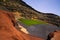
x,y
40,30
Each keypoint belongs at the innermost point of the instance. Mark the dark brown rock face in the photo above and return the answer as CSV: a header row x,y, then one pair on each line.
x,y
28,12
54,35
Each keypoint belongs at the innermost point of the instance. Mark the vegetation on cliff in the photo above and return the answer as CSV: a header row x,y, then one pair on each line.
x,y
28,12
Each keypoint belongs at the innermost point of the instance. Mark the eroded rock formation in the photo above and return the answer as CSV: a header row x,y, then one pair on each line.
x,y
8,30
54,35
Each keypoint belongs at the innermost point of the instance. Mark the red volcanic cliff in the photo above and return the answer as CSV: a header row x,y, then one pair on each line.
x,y
8,31
56,36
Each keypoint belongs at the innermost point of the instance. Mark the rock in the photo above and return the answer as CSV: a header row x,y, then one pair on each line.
x,y
8,30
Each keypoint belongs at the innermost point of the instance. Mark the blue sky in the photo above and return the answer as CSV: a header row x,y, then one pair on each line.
x,y
46,6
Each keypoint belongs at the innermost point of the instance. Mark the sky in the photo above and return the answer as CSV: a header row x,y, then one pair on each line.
x,y
46,6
